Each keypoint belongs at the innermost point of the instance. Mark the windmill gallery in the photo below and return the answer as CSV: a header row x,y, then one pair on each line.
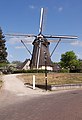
x,y
41,56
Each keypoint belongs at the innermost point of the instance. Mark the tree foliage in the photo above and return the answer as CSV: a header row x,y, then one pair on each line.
x,y
69,60
80,65
3,53
18,63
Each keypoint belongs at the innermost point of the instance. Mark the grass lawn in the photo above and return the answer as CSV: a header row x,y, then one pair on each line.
x,y
53,78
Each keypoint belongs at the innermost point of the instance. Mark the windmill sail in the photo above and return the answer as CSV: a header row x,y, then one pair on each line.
x,y
41,21
41,45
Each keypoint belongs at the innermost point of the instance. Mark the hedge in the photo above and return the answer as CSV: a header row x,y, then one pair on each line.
x,y
29,71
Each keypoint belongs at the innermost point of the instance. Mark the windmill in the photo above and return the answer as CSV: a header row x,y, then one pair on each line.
x,y
41,46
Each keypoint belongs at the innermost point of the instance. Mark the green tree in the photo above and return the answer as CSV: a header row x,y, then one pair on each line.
x,y
3,53
69,61
80,65
18,63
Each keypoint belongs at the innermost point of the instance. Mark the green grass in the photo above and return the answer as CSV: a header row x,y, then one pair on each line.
x,y
53,78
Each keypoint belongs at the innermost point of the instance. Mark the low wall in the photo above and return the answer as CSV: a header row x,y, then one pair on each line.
x,y
65,86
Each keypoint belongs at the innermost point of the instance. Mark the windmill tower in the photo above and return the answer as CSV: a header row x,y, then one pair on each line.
x,y
41,46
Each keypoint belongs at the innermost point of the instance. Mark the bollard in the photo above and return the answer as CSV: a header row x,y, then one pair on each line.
x,y
33,82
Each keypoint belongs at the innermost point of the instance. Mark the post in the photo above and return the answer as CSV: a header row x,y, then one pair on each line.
x,y
45,57
33,82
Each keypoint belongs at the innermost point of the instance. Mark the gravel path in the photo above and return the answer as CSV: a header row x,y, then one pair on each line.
x,y
16,86
14,91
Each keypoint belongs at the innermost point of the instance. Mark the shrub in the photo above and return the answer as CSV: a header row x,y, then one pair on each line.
x,y
64,71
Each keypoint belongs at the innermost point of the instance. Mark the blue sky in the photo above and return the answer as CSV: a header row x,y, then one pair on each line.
x,y
62,17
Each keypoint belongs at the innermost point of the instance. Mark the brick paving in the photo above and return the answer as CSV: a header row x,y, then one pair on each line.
x,y
61,106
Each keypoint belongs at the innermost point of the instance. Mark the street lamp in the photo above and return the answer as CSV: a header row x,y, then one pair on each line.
x,y
45,60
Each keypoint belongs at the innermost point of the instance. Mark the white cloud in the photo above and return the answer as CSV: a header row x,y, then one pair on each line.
x,y
19,47
31,6
77,43
60,9
78,56
15,40
10,57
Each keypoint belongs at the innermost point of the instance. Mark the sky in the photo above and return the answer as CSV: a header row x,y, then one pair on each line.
x,y
62,17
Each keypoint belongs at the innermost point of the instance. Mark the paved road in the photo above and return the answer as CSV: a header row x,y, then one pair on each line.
x,y
53,106
20,103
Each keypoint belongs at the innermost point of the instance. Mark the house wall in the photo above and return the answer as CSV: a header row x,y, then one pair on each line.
x,y
48,68
26,67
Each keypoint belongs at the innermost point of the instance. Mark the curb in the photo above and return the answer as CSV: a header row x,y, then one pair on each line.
x,y
65,86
